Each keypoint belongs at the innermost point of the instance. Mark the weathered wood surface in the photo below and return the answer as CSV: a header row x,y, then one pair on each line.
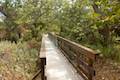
x,y
57,65
42,50
81,57
43,58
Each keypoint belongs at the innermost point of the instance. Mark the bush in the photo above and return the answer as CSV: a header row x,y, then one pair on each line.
x,y
17,58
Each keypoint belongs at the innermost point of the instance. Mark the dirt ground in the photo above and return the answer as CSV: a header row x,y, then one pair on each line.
x,y
107,70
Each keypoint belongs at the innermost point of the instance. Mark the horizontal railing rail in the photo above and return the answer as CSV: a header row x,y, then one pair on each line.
x,y
43,59
82,58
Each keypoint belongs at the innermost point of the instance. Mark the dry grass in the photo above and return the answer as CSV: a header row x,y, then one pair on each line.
x,y
17,61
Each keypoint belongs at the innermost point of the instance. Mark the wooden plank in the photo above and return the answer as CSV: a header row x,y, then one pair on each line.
x,y
42,50
87,51
83,57
43,58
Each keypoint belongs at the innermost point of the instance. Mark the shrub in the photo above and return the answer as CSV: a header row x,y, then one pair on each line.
x,y
17,58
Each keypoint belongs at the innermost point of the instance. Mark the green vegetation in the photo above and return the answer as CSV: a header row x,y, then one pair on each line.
x,y
94,23
17,61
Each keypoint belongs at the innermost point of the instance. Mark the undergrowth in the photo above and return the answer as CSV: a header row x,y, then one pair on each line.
x,y
17,61
112,51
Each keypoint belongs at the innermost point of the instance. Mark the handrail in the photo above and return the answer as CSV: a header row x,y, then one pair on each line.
x,y
43,58
82,58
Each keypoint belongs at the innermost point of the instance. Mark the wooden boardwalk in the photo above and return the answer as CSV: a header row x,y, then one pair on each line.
x,y
57,66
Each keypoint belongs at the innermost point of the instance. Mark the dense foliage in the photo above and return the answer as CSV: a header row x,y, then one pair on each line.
x,y
17,61
93,23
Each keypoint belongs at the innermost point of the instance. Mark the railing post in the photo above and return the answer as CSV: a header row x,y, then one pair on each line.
x,y
83,57
43,63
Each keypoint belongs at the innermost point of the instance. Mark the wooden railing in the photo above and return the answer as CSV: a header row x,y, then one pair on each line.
x,y
80,57
43,59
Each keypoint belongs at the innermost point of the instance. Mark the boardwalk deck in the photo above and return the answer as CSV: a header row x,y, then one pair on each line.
x,y
57,66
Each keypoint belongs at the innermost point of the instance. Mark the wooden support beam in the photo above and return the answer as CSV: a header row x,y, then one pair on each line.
x,y
81,57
